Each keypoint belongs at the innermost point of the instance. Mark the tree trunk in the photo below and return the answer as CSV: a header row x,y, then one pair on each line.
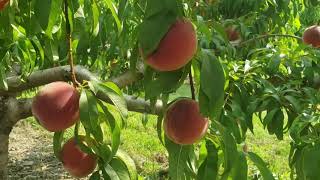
x,y
8,118
4,152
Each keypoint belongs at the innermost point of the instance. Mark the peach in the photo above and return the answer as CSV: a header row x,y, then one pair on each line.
x,y
232,33
75,161
183,123
3,4
311,36
56,106
176,48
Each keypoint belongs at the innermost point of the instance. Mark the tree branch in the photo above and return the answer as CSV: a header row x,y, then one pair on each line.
x,y
133,104
38,78
270,36
62,73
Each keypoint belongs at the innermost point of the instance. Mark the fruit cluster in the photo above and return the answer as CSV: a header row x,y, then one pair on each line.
x,y
183,122
56,107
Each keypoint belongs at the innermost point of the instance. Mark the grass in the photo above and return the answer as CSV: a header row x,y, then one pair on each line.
x,y
274,152
144,146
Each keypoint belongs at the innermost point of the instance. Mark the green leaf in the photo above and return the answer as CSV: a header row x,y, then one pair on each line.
x,y
109,173
178,159
114,127
95,16
122,8
261,165
79,141
152,30
273,66
240,169
162,7
89,115
154,8
42,10
115,95
38,47
211,71
129,163
276,125
166,82
121,167
230,152
310,161
209,168
159,129
57,140
204,103
55,12
298,127
114,12
269,117
104,151
295,103
95,176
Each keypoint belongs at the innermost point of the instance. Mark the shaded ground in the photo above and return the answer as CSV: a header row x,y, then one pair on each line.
x,y
31,156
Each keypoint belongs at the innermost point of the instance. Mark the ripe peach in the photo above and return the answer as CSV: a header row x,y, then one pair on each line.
x,y
3,4
75,161
312,36
232,33
183,123
176,48
56,106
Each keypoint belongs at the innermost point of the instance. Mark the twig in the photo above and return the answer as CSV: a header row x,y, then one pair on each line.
x,y
69,45
192,85
270,36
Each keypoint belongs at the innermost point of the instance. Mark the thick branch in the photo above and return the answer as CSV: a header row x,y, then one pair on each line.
x,y
133,104
43,77
62,73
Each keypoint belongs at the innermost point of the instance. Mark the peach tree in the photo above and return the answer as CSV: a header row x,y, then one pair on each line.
x,y
100,59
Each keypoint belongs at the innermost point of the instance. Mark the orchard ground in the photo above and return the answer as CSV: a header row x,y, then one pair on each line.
x,y
31,153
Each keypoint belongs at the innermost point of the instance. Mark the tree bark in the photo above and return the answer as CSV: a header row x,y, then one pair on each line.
x,y
4,152
133,104
9,115
62,73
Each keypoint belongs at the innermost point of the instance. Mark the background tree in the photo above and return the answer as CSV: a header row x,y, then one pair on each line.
x,y
104,47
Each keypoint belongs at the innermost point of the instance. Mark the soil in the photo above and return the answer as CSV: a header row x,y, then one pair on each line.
x,y
31,155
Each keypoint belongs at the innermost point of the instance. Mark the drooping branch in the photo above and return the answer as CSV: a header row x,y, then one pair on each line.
x,y
62,73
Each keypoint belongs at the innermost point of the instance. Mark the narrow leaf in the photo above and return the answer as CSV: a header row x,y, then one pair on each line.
x,y
261,165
